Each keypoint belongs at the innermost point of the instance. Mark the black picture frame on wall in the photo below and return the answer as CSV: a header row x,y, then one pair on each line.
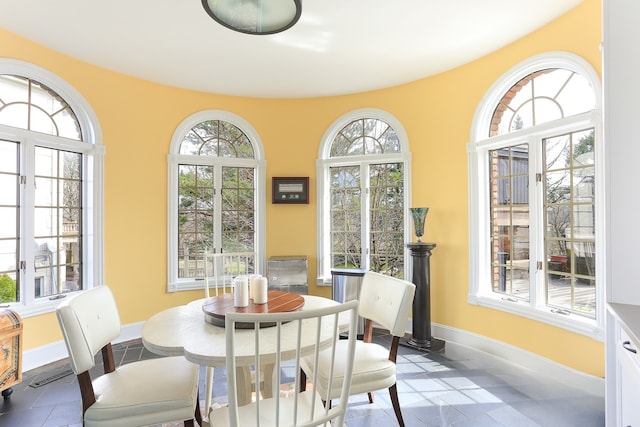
x,y
290,190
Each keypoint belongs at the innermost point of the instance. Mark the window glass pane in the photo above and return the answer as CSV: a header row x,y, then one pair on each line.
x,y
577,96
9,285
217,138
238,203
15,115
9,227
541,97
41,121
522,117
570,222
67,124
365,136
510,220
195,216
45,99
57,222
14,101
14,90
28,104
191,143
345,214
386,186
546,110
8,157
9,179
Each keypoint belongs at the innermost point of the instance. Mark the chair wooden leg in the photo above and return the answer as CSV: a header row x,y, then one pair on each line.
x,y
370,394
198,413
393,393
303,381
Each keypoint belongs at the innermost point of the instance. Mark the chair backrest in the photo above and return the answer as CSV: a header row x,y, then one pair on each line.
x,y
386,301
305,333
89,321
221,267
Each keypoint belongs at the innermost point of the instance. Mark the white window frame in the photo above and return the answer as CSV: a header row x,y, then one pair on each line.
x,y
323,185
174,159
92,192
480,284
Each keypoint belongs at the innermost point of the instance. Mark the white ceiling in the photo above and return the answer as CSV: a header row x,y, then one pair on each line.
x,y
337,47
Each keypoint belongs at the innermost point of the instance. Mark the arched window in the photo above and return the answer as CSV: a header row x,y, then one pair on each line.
x,y
51,202
362,170
536,180
216,194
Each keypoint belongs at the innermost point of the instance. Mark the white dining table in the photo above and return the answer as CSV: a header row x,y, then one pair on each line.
x,y
183,331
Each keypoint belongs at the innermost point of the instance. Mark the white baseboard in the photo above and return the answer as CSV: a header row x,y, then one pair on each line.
x,y
32,359
53,352
515,355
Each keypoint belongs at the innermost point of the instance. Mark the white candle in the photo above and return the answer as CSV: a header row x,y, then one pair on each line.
x,y
261,288
252,279
241,291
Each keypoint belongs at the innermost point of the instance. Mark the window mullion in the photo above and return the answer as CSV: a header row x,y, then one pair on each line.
x,y
27,236
536,224
217,208
365,222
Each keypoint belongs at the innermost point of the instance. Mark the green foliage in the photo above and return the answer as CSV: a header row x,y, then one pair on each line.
x,y
584,145
517,123
7,289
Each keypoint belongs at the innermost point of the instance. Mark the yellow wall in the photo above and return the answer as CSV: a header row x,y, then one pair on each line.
x,y
138,119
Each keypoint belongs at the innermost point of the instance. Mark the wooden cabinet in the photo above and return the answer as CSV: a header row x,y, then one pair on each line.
x,y
10,351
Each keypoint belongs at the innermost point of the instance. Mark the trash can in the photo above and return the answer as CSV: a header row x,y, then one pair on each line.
x,y
345,286
11,344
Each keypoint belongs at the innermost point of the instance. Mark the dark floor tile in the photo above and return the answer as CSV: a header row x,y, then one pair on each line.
x,y
434,412
65,414
482,420
32,417
509,416
58,392
562,413
454,388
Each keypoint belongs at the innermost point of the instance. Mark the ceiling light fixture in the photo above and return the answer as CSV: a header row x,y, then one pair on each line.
x,y
255,16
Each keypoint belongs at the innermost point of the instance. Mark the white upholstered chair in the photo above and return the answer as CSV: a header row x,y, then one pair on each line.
x,y
141,393
309,333
386,301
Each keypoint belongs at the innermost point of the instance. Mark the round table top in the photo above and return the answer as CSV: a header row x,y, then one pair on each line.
x,y
215,308
183,331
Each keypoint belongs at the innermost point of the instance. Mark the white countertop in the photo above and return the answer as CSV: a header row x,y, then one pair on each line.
x,y
629,317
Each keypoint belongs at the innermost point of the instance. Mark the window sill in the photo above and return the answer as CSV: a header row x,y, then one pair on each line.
x,y
38,308
570,322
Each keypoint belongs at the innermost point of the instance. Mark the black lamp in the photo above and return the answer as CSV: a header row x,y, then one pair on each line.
x,y
255,16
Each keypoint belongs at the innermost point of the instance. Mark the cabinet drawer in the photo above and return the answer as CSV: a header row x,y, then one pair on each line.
x,y
628,354
630,348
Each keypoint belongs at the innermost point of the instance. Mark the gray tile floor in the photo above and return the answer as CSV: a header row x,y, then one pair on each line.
x,y
458,387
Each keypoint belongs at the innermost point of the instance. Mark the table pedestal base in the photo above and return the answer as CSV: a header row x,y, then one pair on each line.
x,y
428,346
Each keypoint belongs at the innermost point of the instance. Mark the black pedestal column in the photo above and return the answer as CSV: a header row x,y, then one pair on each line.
x,y
421,335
